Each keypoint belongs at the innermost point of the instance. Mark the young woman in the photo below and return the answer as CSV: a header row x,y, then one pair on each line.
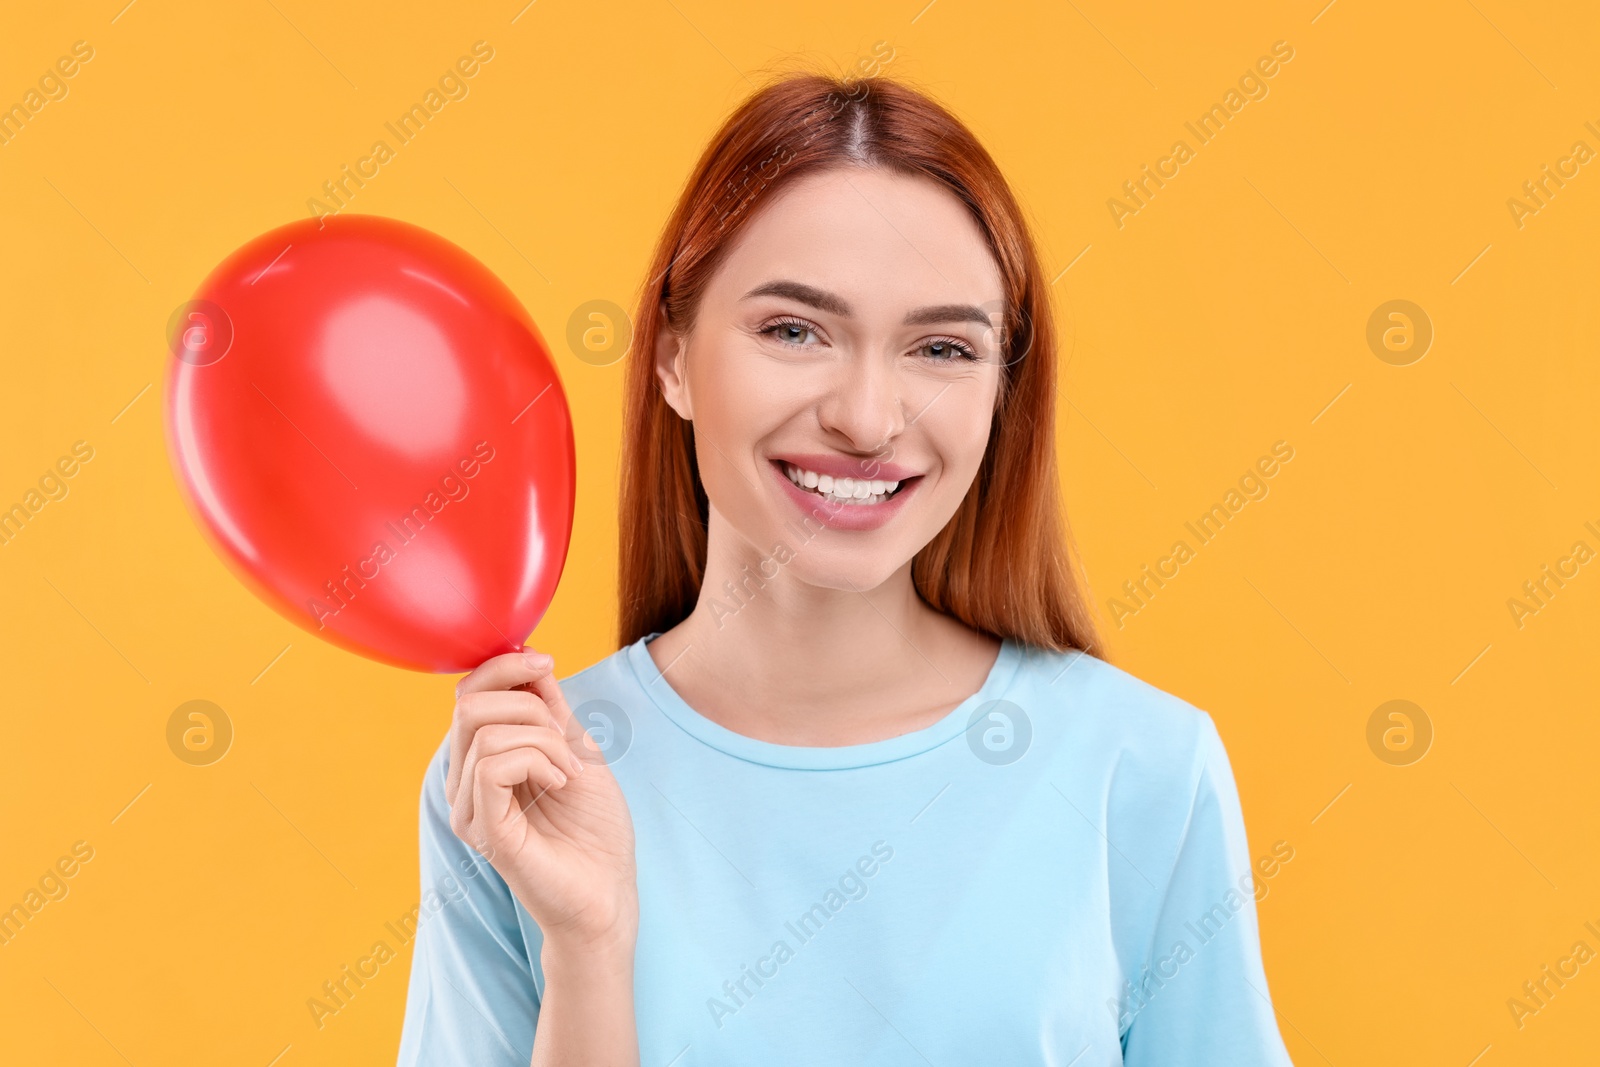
x,y
855,789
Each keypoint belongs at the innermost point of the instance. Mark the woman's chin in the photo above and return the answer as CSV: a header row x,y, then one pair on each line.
x,y
844,570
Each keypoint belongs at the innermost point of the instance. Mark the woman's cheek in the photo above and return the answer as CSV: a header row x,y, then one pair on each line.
x,y
728,393
760,393
959,425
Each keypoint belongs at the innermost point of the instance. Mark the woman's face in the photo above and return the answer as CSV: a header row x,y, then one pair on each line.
x,y
850,341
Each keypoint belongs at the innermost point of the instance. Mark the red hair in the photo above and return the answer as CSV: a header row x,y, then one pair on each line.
x,y
1001,564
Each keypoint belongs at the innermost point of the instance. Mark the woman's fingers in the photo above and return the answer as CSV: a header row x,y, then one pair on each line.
x,y
506,671
493,790
559,761
510,712
470,814
476,710
549,691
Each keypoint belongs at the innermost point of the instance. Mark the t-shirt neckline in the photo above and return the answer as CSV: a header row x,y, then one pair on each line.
x,y
813,758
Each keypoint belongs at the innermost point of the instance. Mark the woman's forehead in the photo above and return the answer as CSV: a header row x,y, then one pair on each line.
x,y
888,239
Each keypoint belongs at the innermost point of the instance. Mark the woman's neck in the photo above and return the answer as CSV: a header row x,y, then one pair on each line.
x,y
771,656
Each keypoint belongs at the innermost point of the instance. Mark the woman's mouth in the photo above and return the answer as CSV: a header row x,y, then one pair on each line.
x,y
841,491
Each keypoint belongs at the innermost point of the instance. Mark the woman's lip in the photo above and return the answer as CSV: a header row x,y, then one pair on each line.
x,y
837,466
845,516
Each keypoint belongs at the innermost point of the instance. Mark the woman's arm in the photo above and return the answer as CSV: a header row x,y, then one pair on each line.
x,y
587,1015
1201,998
523,784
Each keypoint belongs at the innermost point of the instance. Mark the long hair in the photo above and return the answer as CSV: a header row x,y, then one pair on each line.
x,y
1001,564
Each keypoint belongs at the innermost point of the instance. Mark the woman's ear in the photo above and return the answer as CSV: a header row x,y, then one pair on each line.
x,y
669,358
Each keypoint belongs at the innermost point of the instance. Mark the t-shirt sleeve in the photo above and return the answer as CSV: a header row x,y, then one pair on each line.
x,y
1202,1000
472,997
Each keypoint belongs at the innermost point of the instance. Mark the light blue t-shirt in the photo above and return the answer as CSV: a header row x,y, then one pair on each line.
x,y
1056,873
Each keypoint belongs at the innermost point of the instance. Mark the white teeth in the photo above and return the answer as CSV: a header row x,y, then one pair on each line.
x,y
841,490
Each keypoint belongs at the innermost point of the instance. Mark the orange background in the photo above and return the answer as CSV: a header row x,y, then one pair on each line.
x,y
1230,312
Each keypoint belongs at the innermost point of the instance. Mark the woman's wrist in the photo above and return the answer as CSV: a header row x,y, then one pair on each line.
x,y
590,955
586,1013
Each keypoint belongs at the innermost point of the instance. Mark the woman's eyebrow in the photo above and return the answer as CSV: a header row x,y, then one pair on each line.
x,y
822,300
805,294
930,316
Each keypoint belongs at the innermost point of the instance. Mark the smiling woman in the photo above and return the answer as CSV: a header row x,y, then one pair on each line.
x,y
844,400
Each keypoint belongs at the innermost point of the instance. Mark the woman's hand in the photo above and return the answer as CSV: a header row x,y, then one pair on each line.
x,y
529,790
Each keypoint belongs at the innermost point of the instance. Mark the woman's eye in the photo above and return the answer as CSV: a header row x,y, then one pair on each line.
x,y
794,333
790,333
946,350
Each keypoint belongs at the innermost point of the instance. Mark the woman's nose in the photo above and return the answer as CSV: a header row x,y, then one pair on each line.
x,y
863,403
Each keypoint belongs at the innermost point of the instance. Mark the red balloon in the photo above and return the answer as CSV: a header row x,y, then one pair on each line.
x,y
372,433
